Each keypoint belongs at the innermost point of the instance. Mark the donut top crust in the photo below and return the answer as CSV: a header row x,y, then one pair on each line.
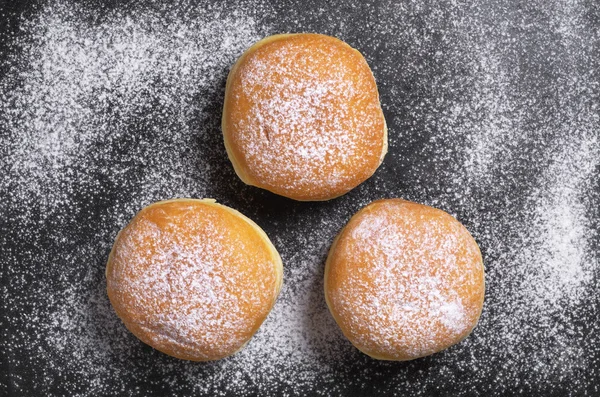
x,y
302,117
192,278
404,280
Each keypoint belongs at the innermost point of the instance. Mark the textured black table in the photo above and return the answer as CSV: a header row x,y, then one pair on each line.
x,y
493,110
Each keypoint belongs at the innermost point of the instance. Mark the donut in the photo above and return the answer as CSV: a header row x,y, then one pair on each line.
x,y
302,118
404,280
192,278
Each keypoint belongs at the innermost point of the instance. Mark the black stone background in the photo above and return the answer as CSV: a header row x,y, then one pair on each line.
x,y
400,90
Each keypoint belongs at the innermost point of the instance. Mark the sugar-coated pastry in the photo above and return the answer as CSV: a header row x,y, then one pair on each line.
x,y
193,278
404,280
302,117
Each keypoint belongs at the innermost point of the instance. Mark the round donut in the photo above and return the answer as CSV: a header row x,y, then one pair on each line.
x,y
404,280
192,278
302,117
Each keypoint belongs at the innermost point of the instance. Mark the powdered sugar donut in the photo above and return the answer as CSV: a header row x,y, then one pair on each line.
x,y
404,280
193,278
302,117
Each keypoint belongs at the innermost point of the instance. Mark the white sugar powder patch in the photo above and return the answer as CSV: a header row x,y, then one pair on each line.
x,y
550,268
540,238
83,92
513,148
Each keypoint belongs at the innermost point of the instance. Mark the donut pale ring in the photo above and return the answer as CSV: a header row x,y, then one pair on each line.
x,y
302,117
193,278
404,280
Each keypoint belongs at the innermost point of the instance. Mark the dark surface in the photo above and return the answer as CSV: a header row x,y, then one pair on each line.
x,y
510,65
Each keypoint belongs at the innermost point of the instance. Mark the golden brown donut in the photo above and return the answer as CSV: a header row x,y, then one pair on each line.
x,y
404,280
193,278
302,117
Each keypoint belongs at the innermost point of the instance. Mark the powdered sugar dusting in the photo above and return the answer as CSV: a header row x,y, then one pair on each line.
x,y
313,118
413,297
184,283
87,90
493,115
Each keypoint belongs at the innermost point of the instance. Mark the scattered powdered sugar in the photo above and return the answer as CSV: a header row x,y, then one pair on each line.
x,y
84,90
415,295
526,186
493,115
